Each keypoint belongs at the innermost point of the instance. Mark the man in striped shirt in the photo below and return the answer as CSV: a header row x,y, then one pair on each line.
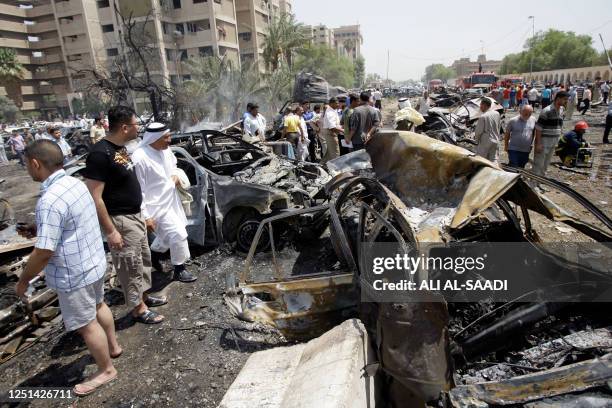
x,y
547,133
69,250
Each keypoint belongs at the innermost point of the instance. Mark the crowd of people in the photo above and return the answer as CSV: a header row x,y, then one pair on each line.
x,y
127,198
544,136
340,126
53,131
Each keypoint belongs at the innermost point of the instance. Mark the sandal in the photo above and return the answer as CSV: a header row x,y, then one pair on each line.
x,y
155,301
148,317
93,384
114,356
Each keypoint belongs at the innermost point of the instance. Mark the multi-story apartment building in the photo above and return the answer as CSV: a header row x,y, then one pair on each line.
x,y
253,18
56,40
41,32
347,40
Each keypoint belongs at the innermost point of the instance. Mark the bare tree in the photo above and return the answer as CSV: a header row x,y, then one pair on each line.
x,y
132,71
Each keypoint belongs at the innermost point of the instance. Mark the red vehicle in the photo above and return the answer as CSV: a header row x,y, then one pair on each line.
x,y
465,82
483,80
435,84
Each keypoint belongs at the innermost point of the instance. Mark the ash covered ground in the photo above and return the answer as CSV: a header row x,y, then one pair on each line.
x,y
191,359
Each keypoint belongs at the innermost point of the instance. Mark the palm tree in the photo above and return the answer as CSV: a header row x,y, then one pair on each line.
x,y
285,34
216,82
11,74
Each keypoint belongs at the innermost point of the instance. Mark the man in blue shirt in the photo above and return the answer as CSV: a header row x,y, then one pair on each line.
x,y
546,96
69,250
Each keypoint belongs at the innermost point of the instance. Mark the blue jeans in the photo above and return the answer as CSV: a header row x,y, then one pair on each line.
x,y
518,159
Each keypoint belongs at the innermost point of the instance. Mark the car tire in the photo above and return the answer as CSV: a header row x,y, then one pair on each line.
x,y
245,235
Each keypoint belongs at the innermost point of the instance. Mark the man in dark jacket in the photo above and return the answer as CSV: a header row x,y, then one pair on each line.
x,y
569,143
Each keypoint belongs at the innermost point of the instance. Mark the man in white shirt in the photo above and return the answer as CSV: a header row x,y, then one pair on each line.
x,y
377,95
532,96
331,130
423,106
155,167
302,147
40,134
255,123
605,91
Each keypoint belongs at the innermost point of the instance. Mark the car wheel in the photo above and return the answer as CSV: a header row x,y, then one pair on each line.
x,y
246,234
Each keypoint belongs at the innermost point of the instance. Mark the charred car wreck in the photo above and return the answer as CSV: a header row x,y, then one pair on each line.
x,y
413,191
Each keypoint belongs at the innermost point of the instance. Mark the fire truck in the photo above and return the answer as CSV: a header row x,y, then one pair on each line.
x,y
483,80
512,80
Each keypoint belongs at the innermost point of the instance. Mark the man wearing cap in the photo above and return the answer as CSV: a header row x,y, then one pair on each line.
x,y
569,143
161,204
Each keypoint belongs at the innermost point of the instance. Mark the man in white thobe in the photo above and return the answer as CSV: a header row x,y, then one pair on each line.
x,y
162,209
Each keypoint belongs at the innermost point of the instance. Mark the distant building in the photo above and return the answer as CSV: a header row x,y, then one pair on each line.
x,y
464,66
55,39
347,40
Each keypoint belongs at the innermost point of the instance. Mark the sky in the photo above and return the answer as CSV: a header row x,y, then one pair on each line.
x,y
418,33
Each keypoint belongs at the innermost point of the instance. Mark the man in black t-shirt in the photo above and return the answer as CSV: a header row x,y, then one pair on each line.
x,y
113,184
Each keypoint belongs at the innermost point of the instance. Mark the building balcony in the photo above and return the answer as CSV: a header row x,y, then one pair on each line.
x,y
49,43
194,40
14,26
67,8
51,74
80,46
43,27
13,43
12,10
74,28
40,10
46,90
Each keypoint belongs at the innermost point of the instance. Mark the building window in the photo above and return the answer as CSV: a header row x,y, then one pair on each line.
x,y
180,28
195,26
112,52
75,57
218,1
205,51
29,22
26,6
168,54
186,77
165,27
184,55
199,1
176,4
108,28
32,38
103,3
37,54
246,37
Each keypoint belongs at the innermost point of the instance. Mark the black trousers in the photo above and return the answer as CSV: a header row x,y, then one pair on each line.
x,y
586,104
605,97
606,137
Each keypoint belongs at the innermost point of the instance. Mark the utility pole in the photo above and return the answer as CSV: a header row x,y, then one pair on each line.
x,y
388,57
532,42
606,51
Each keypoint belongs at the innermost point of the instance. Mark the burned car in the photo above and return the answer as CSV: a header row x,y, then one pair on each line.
x,y
539,346
236,184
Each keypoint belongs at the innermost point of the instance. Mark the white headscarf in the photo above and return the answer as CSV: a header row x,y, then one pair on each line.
x,y
153,133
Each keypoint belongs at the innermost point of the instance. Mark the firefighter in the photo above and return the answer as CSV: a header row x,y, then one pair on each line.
x,y
569,143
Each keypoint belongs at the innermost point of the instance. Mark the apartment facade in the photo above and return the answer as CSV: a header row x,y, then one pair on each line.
x,y
254,17
464,66
58,40
347,40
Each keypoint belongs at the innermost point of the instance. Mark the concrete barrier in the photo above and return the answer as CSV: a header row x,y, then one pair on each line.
x,y
326,372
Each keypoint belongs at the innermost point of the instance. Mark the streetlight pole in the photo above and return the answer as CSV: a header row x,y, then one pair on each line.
x,y
532,18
